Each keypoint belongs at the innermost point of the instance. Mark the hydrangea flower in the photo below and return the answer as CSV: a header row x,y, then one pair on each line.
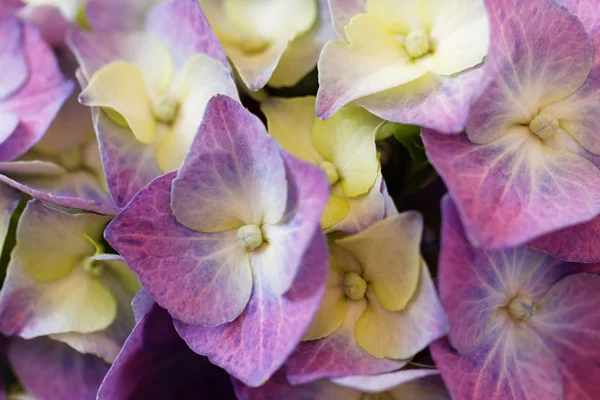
x,y
32,88
410,61
276,41
60,284
523,325
156,363
152,87
411,384
379,306
232,246
528,163
344,147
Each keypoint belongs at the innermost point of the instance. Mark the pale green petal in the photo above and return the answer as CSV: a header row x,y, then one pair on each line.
x,y
401,15
119,86
402,334
51,242
347,140
336,210
202,78
290,122
459,33
374,60
332,311
388,253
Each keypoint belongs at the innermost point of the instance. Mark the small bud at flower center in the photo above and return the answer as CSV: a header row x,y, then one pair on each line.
x,y
249,237
544,125
331,172
354,286
165,109
521,308
417,43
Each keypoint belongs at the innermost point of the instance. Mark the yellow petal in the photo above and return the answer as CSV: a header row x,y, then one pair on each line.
x,y
459,32
347,140
336,210
388,253
202,78
290,122
120,86
332,311
401,15
271,19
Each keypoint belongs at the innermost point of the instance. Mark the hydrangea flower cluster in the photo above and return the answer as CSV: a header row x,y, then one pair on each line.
x,y
300,199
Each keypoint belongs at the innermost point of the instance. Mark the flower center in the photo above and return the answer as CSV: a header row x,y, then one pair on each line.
x,y
165,109
521,308
417,43
354,286
331,171
544,125
377,396
249,237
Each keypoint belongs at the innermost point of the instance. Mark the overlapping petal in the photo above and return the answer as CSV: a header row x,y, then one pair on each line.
x,y
234,174
50,369
475,283
182,269
540,53
156,362
514,189
393,275
505,366
255,345
37,100
338,354
567,321
403,334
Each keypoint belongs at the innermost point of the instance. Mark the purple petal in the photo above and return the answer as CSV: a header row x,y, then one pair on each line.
x,y
342,12
539,53
116,15
52,370
38,101
514,189
577,243
337,355
474,284
182,269
129,165
182,26
49,20
507,365
257,343
9,200
386,382
10,5
142,303
12,55
79,190
588,12
568,322
155,363
278,388
435,102
234,174
290,238
579,113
